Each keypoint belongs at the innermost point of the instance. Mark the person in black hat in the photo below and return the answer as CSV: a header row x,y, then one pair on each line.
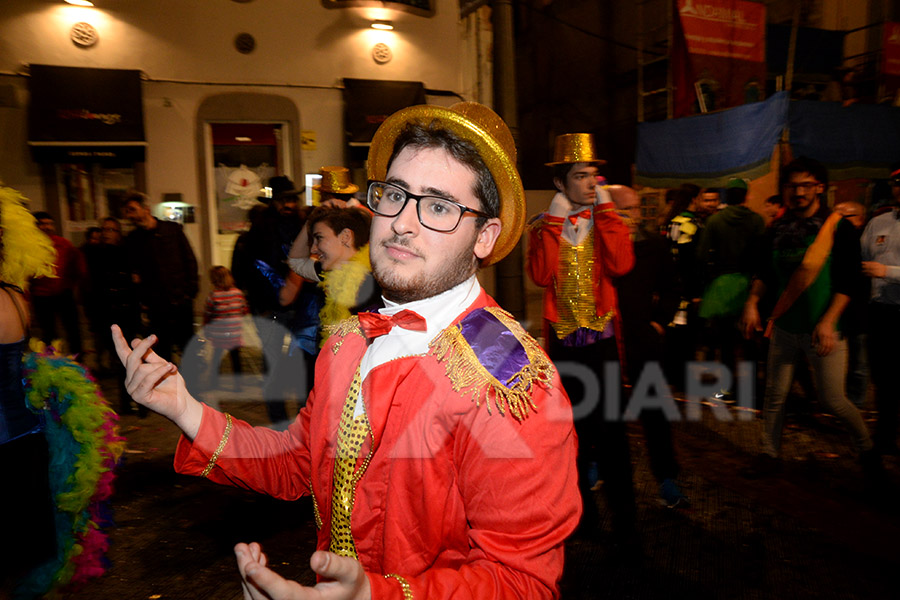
x,y
264,251
270,236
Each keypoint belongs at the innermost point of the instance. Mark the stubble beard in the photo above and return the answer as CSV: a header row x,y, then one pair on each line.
x,y
800,205
400,289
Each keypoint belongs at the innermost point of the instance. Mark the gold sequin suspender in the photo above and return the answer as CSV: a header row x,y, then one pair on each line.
x,y
352,434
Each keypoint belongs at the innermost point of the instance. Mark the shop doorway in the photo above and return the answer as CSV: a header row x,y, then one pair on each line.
x,y
241,158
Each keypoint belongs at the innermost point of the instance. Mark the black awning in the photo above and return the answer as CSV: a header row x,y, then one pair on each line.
x,y
79,114
368,102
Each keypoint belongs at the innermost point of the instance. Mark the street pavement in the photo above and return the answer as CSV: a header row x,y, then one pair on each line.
x,y
817,529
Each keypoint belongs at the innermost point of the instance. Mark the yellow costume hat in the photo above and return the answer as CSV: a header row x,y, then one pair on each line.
x,y
485,130
575,148
336,180
25,250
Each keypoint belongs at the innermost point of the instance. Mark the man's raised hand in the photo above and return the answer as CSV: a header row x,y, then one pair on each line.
x,y
156,383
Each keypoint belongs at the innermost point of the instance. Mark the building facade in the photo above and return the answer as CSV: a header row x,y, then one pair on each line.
x,y
221,85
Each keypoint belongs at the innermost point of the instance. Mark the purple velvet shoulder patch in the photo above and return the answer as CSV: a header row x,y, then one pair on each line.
x,y
495,346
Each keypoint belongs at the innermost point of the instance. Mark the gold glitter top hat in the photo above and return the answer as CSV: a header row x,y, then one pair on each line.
x,y
485,130
335,180
575,148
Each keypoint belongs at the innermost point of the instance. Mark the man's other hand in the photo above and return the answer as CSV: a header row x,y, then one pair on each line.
x,y
343,577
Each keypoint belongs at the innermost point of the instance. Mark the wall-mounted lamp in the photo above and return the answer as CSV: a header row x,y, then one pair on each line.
x,y
382,25
80,2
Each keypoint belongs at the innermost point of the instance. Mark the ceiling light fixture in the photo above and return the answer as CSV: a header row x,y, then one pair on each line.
x,y
382,25
80,2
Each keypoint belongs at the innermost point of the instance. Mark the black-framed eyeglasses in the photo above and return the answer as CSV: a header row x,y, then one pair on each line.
x,y
800,187
434,212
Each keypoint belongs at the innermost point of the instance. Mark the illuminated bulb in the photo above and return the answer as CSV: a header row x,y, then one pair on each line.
x,y
80,2
382,25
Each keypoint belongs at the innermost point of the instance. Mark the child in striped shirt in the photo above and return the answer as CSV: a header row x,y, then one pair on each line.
x,y
223,321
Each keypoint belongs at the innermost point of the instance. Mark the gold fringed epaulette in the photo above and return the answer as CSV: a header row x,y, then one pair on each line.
x,y
343,329
489,356
536,222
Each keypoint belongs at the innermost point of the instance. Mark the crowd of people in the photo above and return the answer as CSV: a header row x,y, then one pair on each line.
x,y
147,280
784,295
426,410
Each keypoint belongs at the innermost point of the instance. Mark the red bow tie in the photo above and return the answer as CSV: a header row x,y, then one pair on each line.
x,y
375,324
585,214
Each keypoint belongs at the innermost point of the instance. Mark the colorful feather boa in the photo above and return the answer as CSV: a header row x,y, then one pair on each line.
x,y
85,447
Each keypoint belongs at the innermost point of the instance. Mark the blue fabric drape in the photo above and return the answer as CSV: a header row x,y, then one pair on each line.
x,y
711,148
861,140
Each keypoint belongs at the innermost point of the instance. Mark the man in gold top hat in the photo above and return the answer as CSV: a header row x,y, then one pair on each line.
x,y
575,248
335,186
335,189
437,443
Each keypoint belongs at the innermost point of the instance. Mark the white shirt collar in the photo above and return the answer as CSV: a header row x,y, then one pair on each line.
x,y
575,233
439,312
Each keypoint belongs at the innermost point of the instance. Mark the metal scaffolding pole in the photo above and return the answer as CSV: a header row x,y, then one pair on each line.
x,y
509,271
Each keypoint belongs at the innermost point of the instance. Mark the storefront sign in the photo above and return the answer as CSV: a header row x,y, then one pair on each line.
x,y
85,114
368,102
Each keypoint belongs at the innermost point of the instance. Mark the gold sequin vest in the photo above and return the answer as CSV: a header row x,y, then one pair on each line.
x,y
576,305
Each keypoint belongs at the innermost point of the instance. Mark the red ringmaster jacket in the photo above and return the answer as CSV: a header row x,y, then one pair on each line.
x,y
460,497
613,257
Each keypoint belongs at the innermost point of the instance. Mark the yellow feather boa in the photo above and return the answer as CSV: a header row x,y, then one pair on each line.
x,y
342,286
25,251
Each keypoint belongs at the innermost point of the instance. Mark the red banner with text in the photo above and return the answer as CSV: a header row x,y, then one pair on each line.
x,y
891,63
726,43
891,48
